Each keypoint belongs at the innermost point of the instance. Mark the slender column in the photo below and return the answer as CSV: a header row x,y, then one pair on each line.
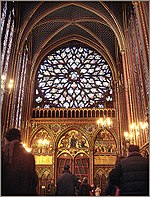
x,y
4,113
55,166
91,165
119,124
9,120
28,132
127,87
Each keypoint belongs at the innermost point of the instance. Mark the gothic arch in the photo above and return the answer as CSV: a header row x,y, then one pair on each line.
x,y
105,134
41,141
113,23
66,130
82,40
113,133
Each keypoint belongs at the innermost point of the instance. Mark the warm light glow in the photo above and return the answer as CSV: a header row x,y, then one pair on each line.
x,y
131,135
3,77
108,121
138,126
135,130
126,134
7,87
11,81
132,126
40,141
10,85
27,148
99,121
104,122
137,133
145,125
43,142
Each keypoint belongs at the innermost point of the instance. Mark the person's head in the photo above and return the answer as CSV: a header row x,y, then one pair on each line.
x,y
85,180
52,181
13,134
133,148
66,167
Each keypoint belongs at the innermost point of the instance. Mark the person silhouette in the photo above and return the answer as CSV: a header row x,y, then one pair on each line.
x,y
131,175
66,183
85,188
19,177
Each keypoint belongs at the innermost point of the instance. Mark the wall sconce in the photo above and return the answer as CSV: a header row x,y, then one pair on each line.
x,y
6,86
128,137
135,130
104,122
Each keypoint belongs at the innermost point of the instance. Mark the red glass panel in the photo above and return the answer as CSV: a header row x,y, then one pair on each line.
x,y
82,166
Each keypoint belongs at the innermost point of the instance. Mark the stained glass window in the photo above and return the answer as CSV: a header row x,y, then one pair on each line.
x,y
20,79
73,77
7,33
3,16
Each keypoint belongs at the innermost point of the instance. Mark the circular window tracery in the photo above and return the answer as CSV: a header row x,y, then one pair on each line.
x,y
73,77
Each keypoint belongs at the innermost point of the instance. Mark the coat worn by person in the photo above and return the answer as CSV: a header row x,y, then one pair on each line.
x,y
110,189
51,190
85,189
132,175
18,170
66,183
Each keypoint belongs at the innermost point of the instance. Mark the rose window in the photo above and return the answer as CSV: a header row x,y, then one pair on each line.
x,y
73,77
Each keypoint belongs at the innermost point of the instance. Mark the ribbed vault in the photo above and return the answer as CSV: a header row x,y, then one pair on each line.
x,y
48,22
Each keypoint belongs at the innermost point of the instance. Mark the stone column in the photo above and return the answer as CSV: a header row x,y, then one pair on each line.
x,y
91,165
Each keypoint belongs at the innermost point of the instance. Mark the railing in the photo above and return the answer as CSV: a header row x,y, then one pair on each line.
x,y
72,113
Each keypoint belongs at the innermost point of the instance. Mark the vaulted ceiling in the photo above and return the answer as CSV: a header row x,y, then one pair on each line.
x,y
51,24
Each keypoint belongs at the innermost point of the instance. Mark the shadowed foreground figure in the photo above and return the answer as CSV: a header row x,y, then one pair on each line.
x,y
19,177
132,174
66,183
85,188
110,189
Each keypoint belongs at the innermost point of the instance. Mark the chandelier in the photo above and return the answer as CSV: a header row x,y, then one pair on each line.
x,y
104,123
135,130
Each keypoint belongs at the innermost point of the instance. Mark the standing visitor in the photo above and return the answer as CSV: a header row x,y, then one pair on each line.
x,y
77,188
132,174
66,183
97,191
85,188
51,188
18,167
111,189
93,189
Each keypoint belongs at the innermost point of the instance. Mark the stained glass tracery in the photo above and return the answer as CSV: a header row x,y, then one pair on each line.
x,y
73,77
